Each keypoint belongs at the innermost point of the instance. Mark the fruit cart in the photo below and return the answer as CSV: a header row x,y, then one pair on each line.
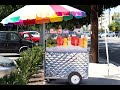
x,y
69,62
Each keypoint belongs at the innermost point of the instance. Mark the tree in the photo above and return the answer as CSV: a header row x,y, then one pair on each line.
x,y
114,26
101,30
92,17
5,10
94,36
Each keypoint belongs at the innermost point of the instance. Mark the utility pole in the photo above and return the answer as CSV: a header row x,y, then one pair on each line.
x,y
101,21
94,36
109,19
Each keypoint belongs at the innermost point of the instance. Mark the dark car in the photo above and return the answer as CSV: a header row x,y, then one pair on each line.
x,y
12,42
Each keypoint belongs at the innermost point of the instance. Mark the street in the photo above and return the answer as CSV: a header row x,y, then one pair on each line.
x,y
113,49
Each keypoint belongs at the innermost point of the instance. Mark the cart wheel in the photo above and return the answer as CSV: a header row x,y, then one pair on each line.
x,y
49,80
74,78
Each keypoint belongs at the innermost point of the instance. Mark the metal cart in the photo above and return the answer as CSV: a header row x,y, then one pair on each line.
x,y
72,65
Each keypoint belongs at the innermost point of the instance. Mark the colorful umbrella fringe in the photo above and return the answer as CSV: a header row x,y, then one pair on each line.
x,y
51,13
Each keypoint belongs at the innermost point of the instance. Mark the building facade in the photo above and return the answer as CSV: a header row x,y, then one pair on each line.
x,y
104,20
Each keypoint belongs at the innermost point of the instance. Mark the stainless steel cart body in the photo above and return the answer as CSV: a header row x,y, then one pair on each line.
x,y
58,65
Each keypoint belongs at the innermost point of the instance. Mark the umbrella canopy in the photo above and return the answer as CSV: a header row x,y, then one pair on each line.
x,y
39,14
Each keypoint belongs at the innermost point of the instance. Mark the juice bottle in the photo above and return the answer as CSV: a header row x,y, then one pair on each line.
x,y
75,40
85,42
65,42
59,41
69,40
81,42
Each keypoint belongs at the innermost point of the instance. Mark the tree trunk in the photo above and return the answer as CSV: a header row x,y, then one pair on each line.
x,y
94,35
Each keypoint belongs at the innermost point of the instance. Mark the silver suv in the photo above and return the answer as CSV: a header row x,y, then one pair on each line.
x,y
111,34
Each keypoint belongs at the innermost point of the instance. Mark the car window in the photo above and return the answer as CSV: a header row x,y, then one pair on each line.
x,y
13,37
25,35
34,33
2,36
12,64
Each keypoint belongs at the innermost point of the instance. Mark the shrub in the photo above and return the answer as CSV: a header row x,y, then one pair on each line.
x,y
26,66
51,42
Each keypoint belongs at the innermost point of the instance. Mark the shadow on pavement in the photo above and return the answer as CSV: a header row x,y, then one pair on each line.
x,y
100,81
114,53
89,81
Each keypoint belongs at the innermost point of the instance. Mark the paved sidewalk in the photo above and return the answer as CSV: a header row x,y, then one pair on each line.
x,y
98,75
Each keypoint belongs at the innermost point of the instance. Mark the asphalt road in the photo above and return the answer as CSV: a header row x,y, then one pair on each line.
x,y
89,81
113,49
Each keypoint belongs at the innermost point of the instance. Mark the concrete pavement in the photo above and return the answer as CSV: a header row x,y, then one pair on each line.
x,y
98,75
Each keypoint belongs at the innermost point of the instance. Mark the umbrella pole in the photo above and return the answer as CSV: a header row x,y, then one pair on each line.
x,y
107,52
17,28
43,42
44,36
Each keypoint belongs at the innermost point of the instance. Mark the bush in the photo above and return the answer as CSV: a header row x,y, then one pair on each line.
x,y
27,65
51,42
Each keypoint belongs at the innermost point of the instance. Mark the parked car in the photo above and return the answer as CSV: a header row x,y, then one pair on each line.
x,y
108,34
111,34
118,34
34,33
88,33
6,66
28,36
12,42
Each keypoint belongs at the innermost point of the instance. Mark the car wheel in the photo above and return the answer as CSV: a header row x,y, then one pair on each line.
x,y
74,78
23,50
49,80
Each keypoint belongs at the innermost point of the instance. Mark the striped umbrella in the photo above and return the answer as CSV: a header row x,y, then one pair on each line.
x,y
39,14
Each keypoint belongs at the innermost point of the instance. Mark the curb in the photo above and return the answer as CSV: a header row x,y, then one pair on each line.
x,y
9,54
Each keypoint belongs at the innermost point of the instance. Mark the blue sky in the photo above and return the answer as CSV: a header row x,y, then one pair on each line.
x,y
115,9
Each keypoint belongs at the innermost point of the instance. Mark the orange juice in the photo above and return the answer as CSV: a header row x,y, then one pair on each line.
x,y
69,40
81,44
85,42
65,42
